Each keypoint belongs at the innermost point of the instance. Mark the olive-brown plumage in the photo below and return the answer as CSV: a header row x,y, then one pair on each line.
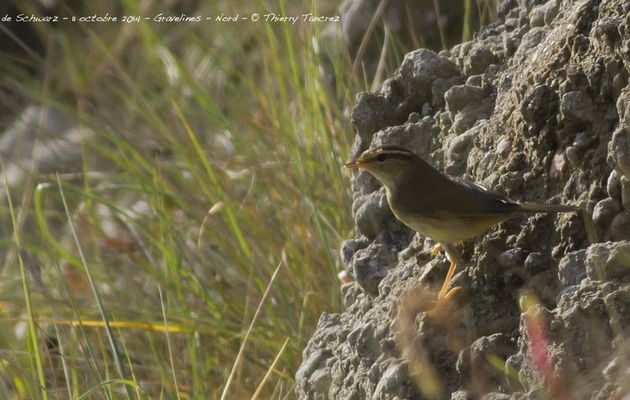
x,y
443,208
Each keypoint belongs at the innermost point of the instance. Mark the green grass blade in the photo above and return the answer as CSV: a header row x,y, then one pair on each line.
x,y
34,341
110,335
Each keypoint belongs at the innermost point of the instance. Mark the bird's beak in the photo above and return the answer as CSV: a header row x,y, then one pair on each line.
x,y
355,165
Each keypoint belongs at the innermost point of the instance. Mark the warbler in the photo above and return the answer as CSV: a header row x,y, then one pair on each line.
x,y
446,209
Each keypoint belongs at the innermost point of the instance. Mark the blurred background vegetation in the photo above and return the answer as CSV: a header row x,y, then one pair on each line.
x,y
172,197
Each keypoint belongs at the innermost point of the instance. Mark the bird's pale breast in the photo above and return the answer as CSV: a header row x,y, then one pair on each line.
x,y
447,229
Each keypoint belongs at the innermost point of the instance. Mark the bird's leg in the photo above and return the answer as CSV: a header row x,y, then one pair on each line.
x,y
443,306
436,249
446,294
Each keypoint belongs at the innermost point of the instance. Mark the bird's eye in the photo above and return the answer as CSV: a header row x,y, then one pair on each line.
x,y
381,158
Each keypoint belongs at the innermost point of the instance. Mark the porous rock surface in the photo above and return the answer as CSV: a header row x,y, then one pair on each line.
x,y
537,106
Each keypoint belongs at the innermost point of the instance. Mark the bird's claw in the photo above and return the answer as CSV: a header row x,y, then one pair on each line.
x,y
444,305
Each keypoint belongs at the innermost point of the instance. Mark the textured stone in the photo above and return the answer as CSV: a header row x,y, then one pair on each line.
x,y
551,11
371,213
539,105
625,192
496,396
475,361
460,96
620,150
572,268
613,185
390,382
457,152
620,226
441,86
471,113
416,137
577,107
370,114
320,381
528,43
421,68
372,264
478,60
350,247
608,261
536,120
504,146
475,80
462,395
604,212
536,263
537,17
512,258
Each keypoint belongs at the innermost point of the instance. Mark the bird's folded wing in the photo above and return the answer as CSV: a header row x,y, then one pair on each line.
x,y
467,200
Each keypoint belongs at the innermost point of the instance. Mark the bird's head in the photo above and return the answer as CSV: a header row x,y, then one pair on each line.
x,y
388,164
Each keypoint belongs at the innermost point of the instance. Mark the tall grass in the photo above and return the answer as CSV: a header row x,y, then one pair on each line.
x,y
218,149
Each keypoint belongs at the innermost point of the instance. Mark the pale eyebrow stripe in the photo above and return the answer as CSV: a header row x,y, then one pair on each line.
x,y
393,153
397,152
402,152
387,151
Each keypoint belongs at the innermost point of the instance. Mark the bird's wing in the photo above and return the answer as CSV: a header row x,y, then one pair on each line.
x,y
461,199
479,201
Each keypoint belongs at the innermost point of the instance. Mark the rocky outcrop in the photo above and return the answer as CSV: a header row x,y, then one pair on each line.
x,y
537,107
369,29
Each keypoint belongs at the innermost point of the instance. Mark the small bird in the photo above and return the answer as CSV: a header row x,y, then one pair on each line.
x,y
446,209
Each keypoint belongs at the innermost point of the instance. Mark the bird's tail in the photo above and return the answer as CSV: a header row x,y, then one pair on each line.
x,y
535,207
591,232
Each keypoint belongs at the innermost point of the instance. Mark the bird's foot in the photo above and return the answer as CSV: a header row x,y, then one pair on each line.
x,y
445,306
436,250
